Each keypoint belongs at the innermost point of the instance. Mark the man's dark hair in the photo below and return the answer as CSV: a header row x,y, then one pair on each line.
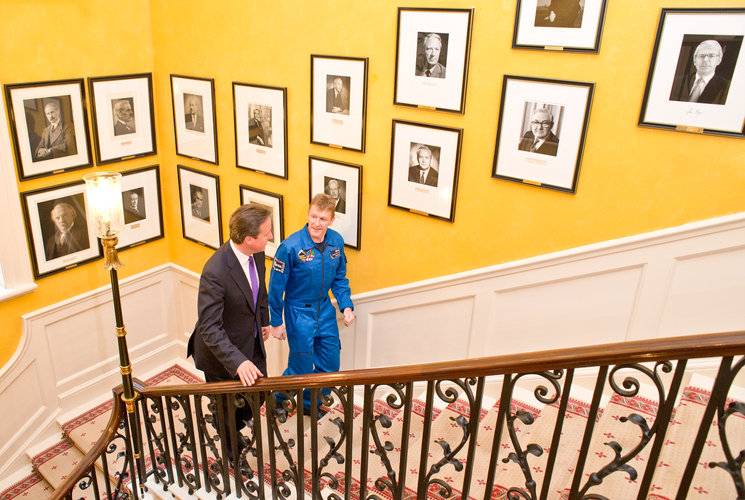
x,y
246,221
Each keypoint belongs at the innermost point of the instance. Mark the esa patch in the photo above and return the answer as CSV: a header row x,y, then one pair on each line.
x,y
335,252
306,255
278,266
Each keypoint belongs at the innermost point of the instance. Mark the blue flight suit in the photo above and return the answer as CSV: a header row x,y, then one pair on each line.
x,y
302,274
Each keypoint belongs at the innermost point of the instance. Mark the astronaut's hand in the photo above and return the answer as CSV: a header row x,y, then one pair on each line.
x,y
278,332
349,316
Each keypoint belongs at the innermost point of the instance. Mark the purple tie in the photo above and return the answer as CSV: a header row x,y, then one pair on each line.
x,y
254,278
253,275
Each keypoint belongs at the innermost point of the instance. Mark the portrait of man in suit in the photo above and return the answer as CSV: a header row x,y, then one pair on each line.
x,y
700,78
539,137
124,122
233,313
337,95
199,204
70,232
259,127
423,171
193,114
134,205
431,55
337,189
58,137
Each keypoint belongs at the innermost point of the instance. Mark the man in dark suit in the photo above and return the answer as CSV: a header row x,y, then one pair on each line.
x,y
423,173
193,119
233,321
133,210
70,236
333,189
124,124
540,139
337,98
57,139
559,14
256,130
704,85
430,65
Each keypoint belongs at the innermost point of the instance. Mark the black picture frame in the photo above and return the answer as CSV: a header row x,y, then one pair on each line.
x,y
39,148
275,203
338,114
444,36
196,137
48,213
435,194
201,218
123,117
670,101
343,182
260,117
143,210
541,131
559,25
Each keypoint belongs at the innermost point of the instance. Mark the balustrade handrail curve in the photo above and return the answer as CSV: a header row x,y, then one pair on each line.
x,y
117,411
653,350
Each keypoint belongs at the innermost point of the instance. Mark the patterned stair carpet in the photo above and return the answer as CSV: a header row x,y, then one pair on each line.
x,y
51,466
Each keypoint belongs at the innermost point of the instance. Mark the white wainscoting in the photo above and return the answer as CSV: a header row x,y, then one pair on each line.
x,y
684,280
679,281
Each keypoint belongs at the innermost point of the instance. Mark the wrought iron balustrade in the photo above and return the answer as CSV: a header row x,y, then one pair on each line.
x,y
379,438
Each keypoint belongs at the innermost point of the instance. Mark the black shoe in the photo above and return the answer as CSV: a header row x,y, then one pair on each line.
x,y
321,412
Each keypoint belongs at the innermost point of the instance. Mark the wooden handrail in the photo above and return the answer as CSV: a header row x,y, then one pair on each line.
x,y
98,449
684,347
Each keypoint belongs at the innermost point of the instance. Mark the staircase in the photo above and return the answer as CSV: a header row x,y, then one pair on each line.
x,y
54,460
642,428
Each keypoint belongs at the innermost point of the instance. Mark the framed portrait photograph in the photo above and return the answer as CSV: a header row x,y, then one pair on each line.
x,y
194,117
260,128
343,182
424,169
541,131
123,117
199,193
696,79
49,127
143,217
563,25
59,234
432,51
338,101
275,204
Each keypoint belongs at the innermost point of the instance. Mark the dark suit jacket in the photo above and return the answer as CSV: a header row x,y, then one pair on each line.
x,y
223,337
344,97
121,128
131,215
257,132
77,241
341,206
715,91
61,141
549,147
430,180
198,126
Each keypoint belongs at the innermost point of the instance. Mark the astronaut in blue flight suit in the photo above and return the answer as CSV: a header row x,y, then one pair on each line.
x,y
306,265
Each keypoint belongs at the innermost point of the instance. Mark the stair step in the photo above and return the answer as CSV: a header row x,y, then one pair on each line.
x,y
56,462
31,487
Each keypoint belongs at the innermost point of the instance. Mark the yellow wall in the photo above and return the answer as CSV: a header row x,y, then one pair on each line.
x,y
632,179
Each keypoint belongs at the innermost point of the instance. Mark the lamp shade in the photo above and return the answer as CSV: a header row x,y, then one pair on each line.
x,y
104,193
